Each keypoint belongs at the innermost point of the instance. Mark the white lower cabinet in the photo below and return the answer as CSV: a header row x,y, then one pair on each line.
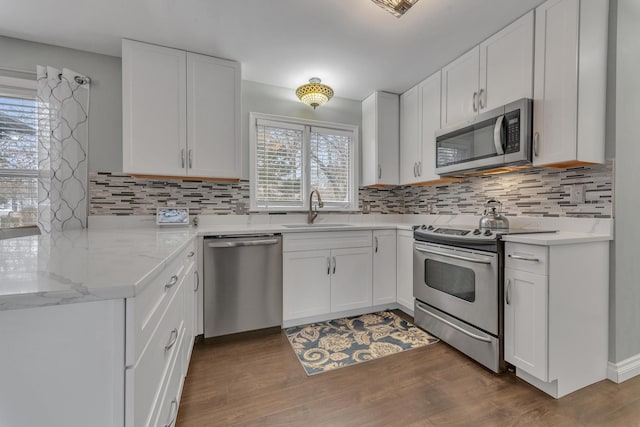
x,y
117,362
525,325
325,273
384,266
404,276
306,283
351,284
556,314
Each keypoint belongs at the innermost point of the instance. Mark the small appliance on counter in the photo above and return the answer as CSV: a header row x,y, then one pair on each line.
x,y
492,219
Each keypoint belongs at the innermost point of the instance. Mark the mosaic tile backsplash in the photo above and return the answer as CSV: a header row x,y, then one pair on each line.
x,y
533,192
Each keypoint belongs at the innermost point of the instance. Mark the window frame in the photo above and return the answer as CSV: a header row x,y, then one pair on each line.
x,y
24,88
352,206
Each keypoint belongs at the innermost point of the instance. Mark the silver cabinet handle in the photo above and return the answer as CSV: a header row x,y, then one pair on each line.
x,y
480,103
190,254
195,273
328,266
536,143
460,257
508,292
524,258
420,168
475,101
232,244
415,169
173,413
376,240
172,282
190,159
334,265
379,172
182,157
453,325
172,339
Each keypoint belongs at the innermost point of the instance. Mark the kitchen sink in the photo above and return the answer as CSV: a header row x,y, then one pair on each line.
x,y
315,225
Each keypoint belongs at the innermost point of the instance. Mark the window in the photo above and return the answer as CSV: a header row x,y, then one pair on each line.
x,y
18,154
292,157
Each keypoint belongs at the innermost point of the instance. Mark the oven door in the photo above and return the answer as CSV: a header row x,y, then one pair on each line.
x,y
460,282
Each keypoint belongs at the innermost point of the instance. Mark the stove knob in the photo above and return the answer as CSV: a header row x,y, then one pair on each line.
x,y
430,227
476,231
424,227
487,233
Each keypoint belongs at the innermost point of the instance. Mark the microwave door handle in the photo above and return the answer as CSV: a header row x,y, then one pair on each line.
x,y
497,136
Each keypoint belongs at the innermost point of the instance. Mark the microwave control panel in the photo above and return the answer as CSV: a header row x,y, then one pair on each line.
x,y
513,132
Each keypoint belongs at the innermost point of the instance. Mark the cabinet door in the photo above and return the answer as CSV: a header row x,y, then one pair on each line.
x,y
213,104
506,65
409,136
405,270
380,139
555,107
306,284
429,124
351,284
384,266
154,109
525,322
190,287
460,88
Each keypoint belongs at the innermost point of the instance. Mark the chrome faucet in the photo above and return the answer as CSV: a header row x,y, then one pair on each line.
x,y
313,213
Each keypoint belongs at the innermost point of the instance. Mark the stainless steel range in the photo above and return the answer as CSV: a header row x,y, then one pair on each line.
x,y
457,284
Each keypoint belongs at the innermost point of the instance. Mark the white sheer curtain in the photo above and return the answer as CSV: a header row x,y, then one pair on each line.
x,y
63,120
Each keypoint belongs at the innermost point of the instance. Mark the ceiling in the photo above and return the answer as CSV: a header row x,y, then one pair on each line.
x,y
352,45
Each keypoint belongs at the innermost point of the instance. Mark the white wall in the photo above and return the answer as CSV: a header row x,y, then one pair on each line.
x,y
262,98
626,288
105,114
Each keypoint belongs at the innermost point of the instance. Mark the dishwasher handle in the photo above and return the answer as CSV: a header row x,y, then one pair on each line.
x,y
234,244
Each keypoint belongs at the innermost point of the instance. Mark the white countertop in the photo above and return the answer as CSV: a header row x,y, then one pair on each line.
x,y
118,262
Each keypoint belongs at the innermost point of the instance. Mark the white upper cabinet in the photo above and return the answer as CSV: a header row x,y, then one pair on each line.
x,y
506,65
420,114
181,113
460,88
570,82
380,139
409,136
154,122
213,117
429,101
492,74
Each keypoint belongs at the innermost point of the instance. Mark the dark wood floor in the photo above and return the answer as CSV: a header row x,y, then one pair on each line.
x,y
256,380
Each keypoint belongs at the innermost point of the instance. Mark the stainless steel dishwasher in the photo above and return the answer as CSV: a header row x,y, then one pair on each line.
x,y
242,283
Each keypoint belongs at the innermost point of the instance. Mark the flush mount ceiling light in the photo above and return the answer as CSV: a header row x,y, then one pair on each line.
x,y
314,93
396,7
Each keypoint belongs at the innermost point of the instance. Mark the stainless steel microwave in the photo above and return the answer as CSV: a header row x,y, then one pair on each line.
x,y
497,138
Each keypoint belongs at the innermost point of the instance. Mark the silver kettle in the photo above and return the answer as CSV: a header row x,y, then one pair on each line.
x,y
492,219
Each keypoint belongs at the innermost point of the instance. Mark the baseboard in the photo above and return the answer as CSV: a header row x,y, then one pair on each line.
x,y
339,314
624,370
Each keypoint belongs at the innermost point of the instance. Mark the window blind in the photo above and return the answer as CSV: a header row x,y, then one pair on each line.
x,y
331,162
279,164
18,162
292,157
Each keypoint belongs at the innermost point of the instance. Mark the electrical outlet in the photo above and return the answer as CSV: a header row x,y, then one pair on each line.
x,y
366,207
577,193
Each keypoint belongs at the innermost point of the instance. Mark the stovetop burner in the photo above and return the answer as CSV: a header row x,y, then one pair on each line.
x,y
473,238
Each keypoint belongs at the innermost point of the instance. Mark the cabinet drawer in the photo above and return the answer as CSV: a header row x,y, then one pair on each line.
x,y
145,310
166,410
326,240
531,258
144,379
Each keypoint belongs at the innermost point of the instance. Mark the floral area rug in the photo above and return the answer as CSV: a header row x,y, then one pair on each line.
x,y
324,346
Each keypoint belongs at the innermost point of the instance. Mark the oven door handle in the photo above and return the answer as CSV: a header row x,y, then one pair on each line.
x,y
460,257
453,325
